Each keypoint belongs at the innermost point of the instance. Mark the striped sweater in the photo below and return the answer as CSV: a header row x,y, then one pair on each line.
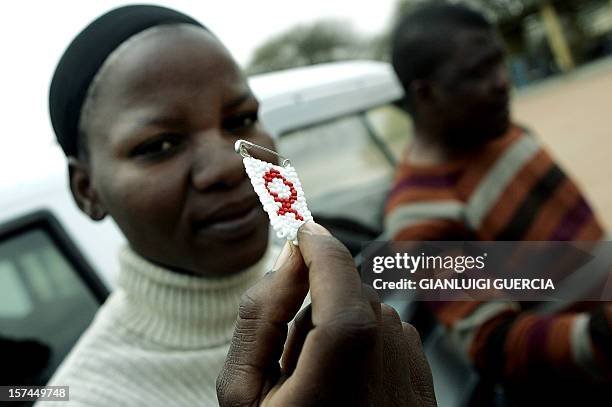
x,y
511,190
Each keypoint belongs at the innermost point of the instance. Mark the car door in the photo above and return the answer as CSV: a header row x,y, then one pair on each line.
x,y
48,296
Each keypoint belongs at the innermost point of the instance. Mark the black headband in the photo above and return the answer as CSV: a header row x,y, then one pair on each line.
x,y
85,55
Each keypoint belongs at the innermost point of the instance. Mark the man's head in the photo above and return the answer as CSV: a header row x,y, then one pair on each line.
x,y
152,146
450,62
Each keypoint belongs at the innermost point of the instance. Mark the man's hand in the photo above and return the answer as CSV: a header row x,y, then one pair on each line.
x,y
344,349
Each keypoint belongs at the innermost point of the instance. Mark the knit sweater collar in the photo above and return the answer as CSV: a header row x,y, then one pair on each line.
x,y
180,311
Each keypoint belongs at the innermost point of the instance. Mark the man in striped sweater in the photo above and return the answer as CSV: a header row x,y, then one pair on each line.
x,y
470,174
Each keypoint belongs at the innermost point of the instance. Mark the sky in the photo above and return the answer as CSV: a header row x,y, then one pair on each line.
x,y
33,35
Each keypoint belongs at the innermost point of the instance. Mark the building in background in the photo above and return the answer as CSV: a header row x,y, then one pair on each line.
x,y
544,37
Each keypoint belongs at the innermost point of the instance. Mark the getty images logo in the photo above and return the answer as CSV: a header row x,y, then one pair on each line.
x,y
412,264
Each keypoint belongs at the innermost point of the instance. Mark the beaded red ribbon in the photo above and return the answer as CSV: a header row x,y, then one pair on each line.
x,y
286,203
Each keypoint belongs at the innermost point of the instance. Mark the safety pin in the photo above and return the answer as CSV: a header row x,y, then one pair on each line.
x,y
242,147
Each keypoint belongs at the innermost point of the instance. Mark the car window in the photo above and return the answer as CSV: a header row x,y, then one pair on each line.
x,y
393,126
336,154
44,307
346,165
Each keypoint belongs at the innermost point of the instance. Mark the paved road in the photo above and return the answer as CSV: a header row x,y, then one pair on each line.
x,y
572,115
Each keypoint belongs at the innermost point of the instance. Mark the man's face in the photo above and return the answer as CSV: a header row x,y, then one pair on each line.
x,y
472,89
167,114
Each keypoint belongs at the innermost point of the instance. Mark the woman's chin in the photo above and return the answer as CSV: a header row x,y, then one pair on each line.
x,y
210,256
228,258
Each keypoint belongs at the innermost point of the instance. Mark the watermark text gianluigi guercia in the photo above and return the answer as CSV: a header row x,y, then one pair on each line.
x,y
458,264
522,271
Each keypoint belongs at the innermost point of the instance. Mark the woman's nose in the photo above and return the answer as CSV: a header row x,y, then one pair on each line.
x,y
215,164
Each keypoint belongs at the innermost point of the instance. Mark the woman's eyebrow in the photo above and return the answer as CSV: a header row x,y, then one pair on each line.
x,y
137,125
159,121
166,121
238,101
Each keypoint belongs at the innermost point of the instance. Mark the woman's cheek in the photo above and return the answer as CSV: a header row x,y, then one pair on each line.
x,y
152,198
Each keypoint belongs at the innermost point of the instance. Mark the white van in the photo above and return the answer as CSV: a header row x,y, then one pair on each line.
x,y
57,266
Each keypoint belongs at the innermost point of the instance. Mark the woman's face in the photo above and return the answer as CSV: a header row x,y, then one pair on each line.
x,y
163,121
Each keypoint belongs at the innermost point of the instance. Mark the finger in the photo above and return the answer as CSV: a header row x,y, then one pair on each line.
x,y
335,286
420,372
372,374
396,362
337,350
302,324
369,294
261,330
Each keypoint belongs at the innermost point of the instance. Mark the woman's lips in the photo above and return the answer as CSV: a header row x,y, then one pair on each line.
x,y
234,226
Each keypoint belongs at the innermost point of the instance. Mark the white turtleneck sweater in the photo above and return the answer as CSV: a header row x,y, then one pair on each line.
x,y
159,340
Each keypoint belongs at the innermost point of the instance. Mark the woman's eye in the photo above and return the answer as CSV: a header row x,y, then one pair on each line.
x,y
155,148
166,145
240,123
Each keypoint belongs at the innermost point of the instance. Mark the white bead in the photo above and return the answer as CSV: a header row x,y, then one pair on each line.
x,y
287,225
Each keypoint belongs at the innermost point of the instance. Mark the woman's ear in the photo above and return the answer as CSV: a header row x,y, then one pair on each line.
x,y
83,191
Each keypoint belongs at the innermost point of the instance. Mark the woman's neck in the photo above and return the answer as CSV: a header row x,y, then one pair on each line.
x,y
178,310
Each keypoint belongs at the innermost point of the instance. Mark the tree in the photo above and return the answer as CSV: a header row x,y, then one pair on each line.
x,y
497,10
322,41
334,40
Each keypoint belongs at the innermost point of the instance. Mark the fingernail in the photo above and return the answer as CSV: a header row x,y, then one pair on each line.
x,y
312,228
283,257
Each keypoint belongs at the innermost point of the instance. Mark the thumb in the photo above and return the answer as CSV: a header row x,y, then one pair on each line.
x,y
420,372
251,366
